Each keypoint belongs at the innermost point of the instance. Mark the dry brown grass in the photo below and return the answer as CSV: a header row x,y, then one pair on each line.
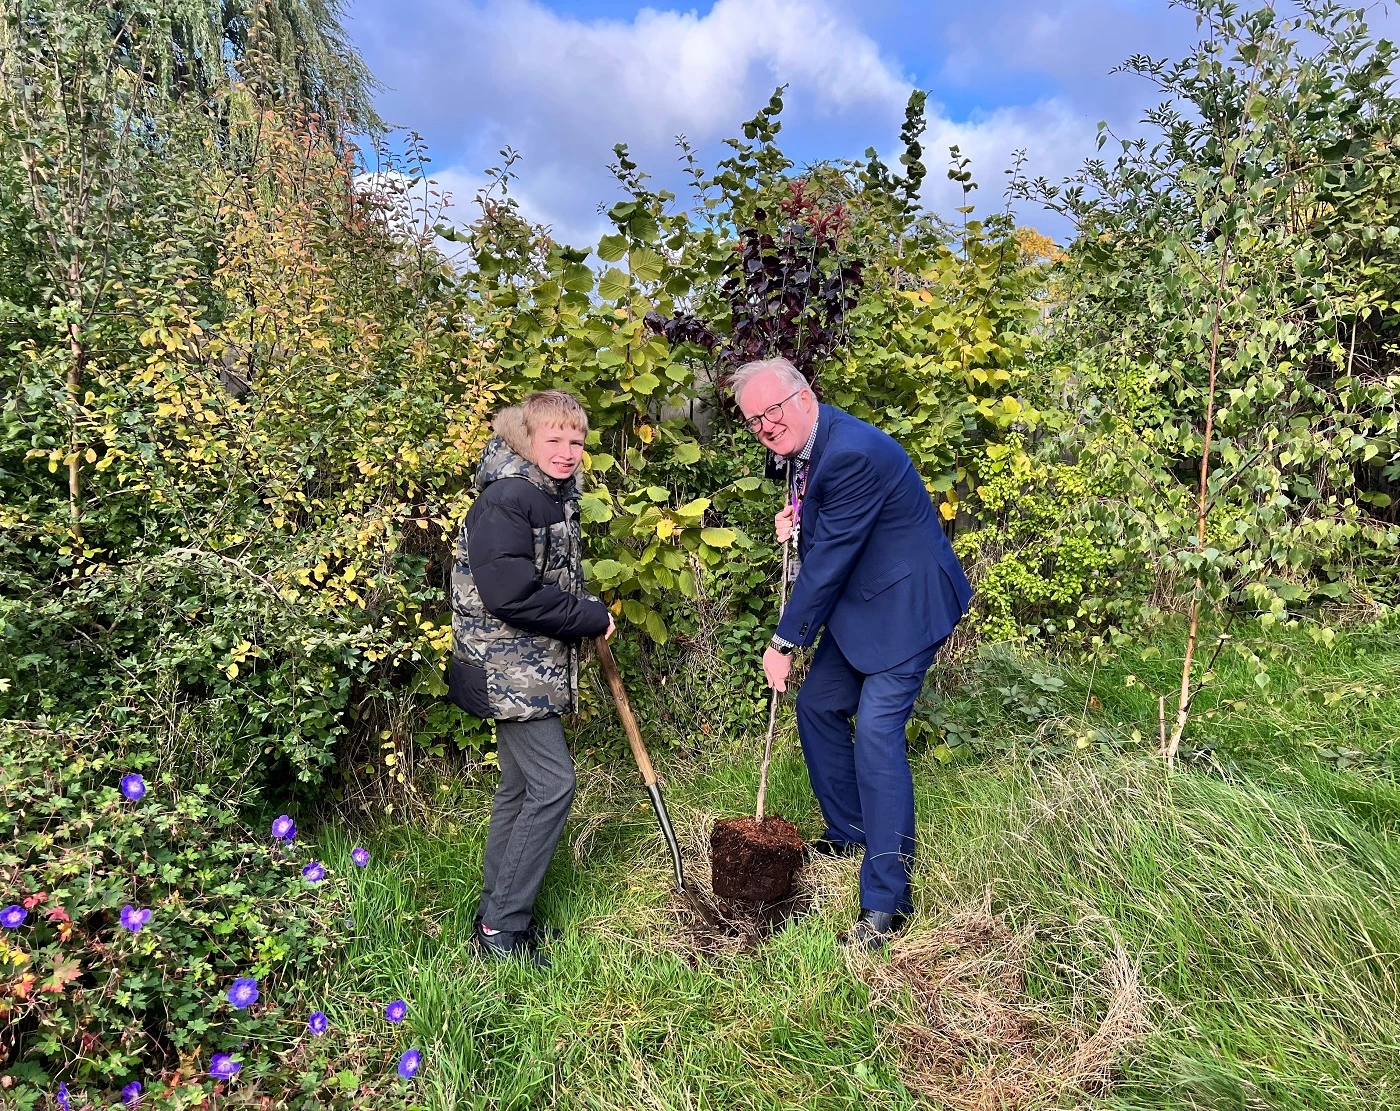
x,y
973,1040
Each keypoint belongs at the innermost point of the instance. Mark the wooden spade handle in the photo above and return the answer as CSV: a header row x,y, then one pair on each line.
x,y
624,711
773,694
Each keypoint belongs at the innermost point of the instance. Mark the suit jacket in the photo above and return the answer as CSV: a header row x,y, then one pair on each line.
x,y
877,569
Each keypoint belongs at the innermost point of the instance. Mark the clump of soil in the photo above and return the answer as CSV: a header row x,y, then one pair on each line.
x,y
976,1041
752,861
712,927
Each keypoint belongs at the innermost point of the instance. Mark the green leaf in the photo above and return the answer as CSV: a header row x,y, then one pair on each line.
x,y
614,284
688,452
656,627
717,537
594,510
606,570
578,278
687,584
634,611
645,264
612,247
658,493
645,383
642,226
693,510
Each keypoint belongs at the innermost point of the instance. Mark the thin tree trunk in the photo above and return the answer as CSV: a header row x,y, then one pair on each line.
x,y
74,385
1183,705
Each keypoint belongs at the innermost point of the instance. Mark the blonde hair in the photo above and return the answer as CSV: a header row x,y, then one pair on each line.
x,y
782,368
517,424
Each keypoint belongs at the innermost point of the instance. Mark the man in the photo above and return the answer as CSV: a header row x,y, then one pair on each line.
x,y
878,574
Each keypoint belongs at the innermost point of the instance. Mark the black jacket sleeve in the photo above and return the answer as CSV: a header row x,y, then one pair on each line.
x,y
501,551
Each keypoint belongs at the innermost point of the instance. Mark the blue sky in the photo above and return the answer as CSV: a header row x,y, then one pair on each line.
x,y
561,81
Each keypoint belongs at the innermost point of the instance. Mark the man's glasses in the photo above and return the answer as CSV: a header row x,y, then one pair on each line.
x,y
773,414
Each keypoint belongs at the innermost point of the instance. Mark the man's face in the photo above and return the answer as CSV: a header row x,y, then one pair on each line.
x,y
558,451
784,431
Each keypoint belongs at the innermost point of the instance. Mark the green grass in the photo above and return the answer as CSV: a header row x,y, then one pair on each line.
x,y
1259,896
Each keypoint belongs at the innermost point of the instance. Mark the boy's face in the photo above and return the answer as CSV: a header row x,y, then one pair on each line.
x,y
558,451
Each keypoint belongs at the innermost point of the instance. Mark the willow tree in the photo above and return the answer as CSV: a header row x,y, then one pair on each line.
x,y
94,97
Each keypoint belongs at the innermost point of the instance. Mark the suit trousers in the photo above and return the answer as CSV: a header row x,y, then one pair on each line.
x,y
852,730
527,818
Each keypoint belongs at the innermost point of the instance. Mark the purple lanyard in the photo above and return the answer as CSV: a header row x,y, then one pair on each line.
x,y
799,488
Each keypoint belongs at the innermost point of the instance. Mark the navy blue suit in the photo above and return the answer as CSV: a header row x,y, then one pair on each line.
x,y
880,576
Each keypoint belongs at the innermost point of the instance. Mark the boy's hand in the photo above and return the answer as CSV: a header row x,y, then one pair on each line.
x,y
612,628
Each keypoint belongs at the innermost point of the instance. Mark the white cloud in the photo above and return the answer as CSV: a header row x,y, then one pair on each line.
x,y
562,91
666,72
1054,136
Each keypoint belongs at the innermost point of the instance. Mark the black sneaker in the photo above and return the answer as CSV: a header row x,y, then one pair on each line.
x,y
504,945
824,846
873,929
538,933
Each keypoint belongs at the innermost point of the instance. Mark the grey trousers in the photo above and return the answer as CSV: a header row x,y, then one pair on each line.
x,y
527,818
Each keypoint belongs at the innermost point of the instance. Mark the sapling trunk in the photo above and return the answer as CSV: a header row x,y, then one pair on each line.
x,y
73,387
1183,706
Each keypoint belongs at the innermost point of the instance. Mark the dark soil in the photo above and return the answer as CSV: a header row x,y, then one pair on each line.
x,y
713,927
754,862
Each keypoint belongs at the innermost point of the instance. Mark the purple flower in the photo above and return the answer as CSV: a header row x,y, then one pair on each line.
x,y
359,856
63,1097
283,828
13,916
410,1063
131,1094
133,787
396,1011
133,919
318,1023
313,872
223,1067
244,992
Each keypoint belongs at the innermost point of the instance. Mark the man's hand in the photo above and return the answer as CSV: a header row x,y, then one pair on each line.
x,y
776,667
782,523
612,628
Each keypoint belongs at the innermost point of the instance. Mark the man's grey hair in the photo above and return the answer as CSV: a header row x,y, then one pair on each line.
x,y
782,368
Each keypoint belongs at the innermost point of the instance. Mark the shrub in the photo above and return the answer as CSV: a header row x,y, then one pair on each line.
x,y
88,1000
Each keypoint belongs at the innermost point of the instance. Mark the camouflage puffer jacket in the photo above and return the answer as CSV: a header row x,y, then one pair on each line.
x,y
518,604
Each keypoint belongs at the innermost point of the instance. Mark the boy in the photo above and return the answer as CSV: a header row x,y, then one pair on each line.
x,y
519,611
